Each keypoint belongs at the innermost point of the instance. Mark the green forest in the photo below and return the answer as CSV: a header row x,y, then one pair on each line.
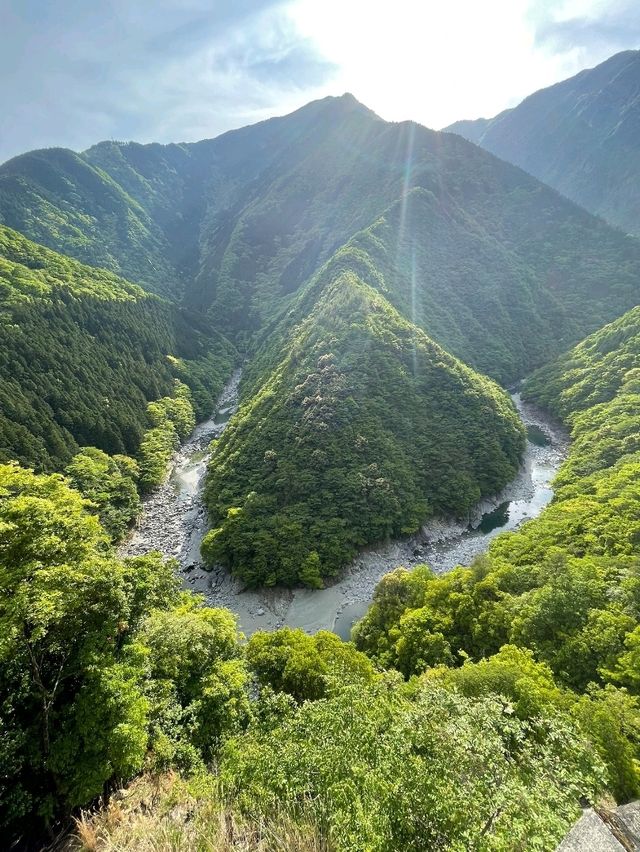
x,y
496,267
381,286
549,616
83,353
502,694
108,669
363,430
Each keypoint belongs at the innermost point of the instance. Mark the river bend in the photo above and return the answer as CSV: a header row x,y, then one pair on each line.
x,y
174,522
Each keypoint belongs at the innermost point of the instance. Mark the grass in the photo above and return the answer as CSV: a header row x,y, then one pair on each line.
x,y
166,814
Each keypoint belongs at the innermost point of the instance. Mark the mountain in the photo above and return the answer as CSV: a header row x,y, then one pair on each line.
x,y
368,272
236,225
596,390
362,429
82,352
288,237
579,136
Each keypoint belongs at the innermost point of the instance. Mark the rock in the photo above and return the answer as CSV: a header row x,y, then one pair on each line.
x,y
602,831
260,611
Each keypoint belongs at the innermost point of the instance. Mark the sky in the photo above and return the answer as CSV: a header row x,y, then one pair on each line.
x,y
75,72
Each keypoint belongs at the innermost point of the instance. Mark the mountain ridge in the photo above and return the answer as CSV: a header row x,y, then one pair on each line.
x,y
579,136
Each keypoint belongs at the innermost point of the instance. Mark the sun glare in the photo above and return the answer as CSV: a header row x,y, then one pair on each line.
x,y
432,62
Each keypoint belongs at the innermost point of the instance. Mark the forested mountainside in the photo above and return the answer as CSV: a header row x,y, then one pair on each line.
x,y
373,276
107,669
83,352
236,225
522,668
579,136
359,430
565,587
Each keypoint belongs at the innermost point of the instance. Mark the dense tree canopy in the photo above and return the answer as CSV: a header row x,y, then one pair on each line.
x,y
354,262
361,430
100,659
495,266
82,353
567,585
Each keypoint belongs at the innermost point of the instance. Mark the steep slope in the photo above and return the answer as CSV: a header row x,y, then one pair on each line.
x,y
481,233
360,427
595,388
502,306
143,210
594,371
579,136
565,585
476,252
82,352
58,199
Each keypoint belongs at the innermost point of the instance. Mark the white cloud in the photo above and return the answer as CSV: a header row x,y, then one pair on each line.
x,y
75,72
436,62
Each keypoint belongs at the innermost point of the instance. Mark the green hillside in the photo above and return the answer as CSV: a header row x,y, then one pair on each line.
x,y
566,585
500,309
238,224
288,742
376,280
361,428
82,352
56,198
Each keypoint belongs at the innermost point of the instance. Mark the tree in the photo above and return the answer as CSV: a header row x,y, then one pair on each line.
x,y
306,667
110,483
68,616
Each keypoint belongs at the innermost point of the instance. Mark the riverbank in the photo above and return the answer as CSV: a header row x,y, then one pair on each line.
x,y
442,543
173,519
174,522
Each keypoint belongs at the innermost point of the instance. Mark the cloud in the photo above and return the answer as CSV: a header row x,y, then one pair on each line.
x,y
76,72
598,31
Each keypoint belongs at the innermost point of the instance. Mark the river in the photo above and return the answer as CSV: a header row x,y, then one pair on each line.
x,y
173,521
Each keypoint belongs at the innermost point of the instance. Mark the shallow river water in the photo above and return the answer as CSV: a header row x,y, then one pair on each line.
x,y
174,522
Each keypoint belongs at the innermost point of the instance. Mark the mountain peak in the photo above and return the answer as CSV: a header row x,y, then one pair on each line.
x,y
345,103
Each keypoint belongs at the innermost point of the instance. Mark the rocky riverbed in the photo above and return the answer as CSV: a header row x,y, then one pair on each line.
x,y
174,522
173,518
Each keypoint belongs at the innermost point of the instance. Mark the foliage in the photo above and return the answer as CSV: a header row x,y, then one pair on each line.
x,y
362,430
171,420
93,651
609,717
102,661
493,265
381,767
194,660
59,199
566,585
110,484
82,353
346,252
306,667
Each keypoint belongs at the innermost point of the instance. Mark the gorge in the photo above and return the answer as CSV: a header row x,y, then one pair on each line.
x,y
290,346
173,522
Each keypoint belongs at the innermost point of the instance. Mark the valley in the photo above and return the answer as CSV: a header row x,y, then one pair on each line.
x,y
271,368
173,518
174,522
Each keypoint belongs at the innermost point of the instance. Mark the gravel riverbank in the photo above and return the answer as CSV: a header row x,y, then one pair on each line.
x,y
174,522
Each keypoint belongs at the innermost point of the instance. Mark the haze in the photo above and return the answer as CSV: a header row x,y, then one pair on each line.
x,y
79,72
